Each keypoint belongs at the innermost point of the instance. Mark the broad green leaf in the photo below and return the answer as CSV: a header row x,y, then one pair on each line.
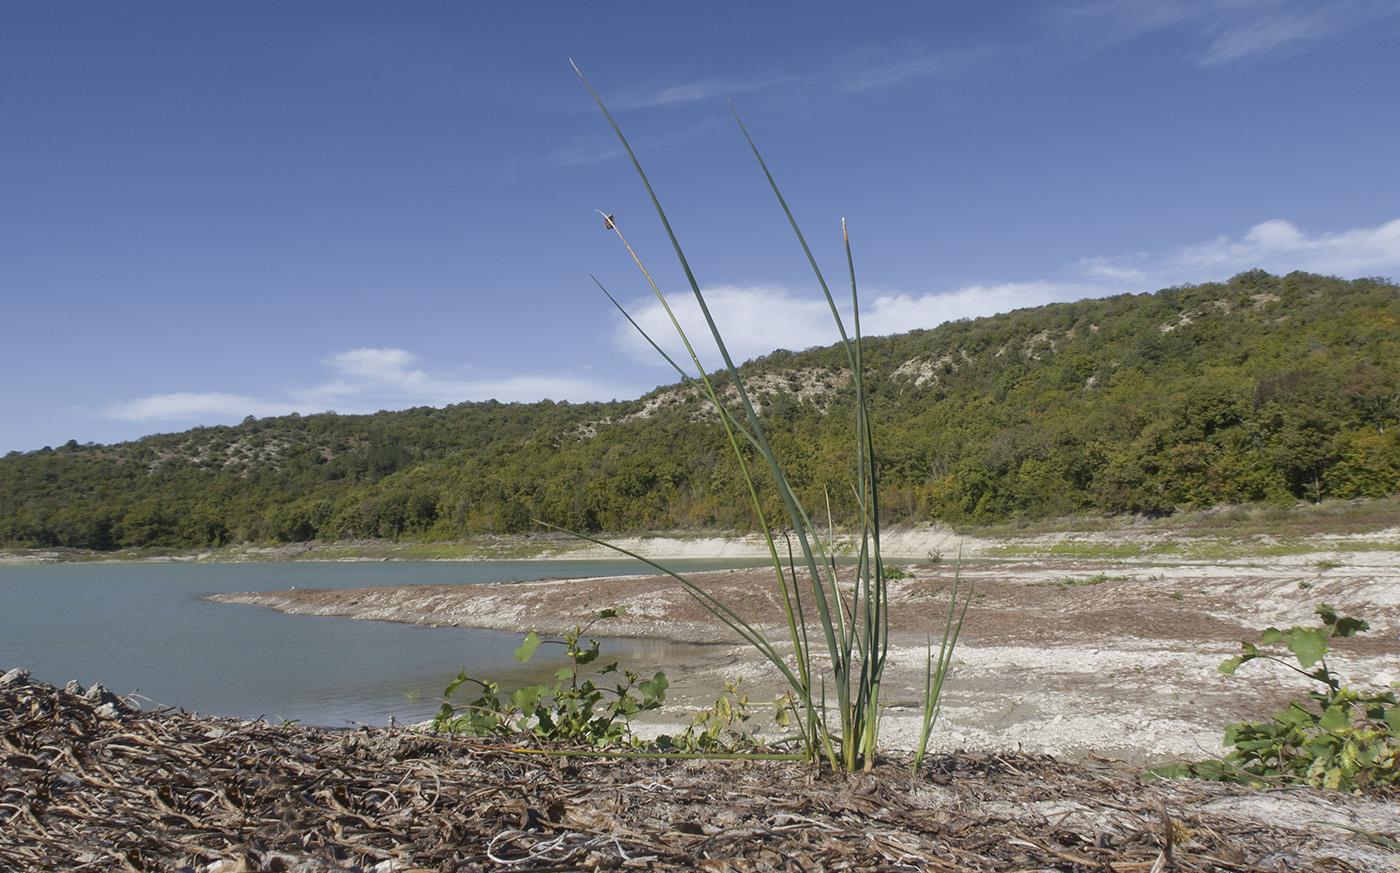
x,y
527,699
461,677
528,647
1349,627
1334,719
1308,643
655,686
1328,614
1270,636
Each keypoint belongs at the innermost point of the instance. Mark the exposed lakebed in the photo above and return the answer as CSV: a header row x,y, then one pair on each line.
x,y
1110,656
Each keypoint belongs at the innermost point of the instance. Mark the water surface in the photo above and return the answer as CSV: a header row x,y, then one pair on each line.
x,y
146,629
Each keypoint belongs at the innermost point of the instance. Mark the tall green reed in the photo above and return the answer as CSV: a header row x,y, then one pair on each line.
x,y
851,613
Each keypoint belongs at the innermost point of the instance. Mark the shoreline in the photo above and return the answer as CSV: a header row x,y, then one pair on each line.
x,y
900,544
1225,533
1074,658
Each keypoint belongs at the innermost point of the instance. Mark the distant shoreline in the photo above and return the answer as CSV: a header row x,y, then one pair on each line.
x,y
905,543
1229,532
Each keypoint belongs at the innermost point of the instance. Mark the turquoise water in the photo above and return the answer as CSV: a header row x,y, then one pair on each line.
x,y
145,629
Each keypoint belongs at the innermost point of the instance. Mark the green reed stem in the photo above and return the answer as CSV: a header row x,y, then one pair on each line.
x,y
855,626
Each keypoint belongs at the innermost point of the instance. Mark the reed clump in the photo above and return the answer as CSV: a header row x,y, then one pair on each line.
x,y
837,618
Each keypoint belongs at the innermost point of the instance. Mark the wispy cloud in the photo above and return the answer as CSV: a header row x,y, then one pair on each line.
x,y
756,320
582,151
877,67
1220,31
194,405
1277,245
1226,31
1246,30
753,319
1254,37
708,88
365,380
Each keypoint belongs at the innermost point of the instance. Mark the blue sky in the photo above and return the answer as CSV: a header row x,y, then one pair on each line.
x,y
215,210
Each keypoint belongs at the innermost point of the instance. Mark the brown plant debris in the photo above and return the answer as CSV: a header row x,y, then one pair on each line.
x,y
88,788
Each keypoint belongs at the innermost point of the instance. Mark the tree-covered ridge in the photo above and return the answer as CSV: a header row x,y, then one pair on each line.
x,y
1264,388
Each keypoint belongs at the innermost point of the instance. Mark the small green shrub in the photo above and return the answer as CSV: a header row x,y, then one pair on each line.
x,y
1338,738
724,726
572,710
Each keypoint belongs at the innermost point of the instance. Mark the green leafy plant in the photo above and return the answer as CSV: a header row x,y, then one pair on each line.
x,y
724,726
847,607
593,706
1337,738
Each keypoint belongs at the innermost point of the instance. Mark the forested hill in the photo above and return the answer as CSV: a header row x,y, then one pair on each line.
x,y
1262,388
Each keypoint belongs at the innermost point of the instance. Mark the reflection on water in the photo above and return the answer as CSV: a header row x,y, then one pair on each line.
x,y
146,628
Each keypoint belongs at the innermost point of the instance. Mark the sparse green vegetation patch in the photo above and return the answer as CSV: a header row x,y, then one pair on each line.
x,y
1335,737
1069,582
1078,550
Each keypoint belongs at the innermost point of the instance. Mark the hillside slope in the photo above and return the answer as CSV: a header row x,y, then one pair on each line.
x,y
1263,388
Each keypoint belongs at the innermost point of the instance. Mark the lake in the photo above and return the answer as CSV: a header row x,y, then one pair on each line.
x,y
145,629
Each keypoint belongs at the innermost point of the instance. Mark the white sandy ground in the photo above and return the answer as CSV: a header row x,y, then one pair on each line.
x,y
1137,700
1134,704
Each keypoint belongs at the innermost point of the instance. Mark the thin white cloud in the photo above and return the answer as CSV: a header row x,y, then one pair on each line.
x,y
1100,24
686,93
753,320
1223,31
710,88
900,313
1279,246
1248,30
1259,36
365,380
375,365
883,68
1103,269
756,320
191,405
